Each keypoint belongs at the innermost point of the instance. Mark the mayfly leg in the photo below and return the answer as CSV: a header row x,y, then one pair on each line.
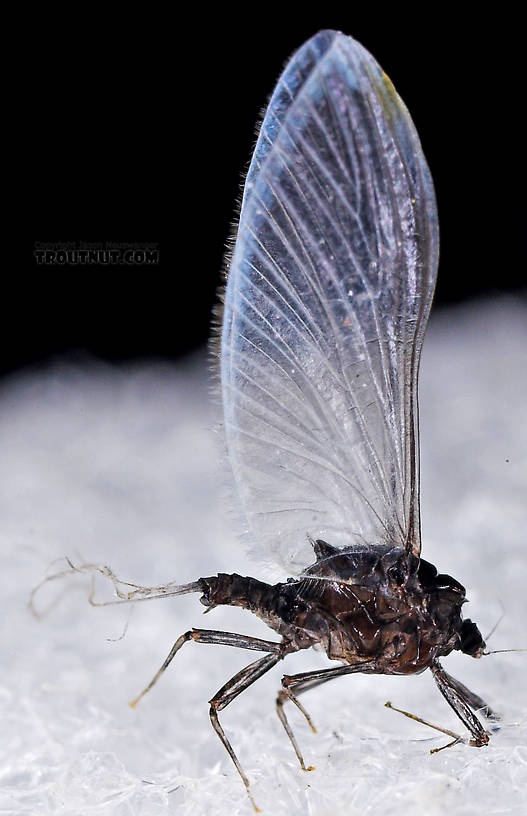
x,y
461,700
456,737
474,700
295,684
212,636
236,684
228,693
456,700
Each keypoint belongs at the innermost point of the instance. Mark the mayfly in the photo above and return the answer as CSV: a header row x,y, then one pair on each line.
x,y
328,294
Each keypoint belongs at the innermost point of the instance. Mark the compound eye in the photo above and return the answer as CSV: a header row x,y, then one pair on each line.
x,y
471,641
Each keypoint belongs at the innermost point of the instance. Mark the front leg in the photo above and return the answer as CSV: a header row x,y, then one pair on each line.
x,y
450,691
476,702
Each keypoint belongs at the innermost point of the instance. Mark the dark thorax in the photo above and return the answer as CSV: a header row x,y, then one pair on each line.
x,y
378,605
385,605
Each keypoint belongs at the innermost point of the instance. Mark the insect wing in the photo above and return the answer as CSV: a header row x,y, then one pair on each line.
x,y
328,294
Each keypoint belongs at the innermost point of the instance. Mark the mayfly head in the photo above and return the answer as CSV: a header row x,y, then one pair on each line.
x,y
471,642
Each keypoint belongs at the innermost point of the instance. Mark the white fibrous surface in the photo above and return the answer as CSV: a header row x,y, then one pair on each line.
x,y
120,466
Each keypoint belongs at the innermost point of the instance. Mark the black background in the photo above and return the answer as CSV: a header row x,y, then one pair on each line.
x,y
138,129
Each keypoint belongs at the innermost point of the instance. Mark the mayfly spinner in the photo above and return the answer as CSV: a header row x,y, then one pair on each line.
x,y
326,304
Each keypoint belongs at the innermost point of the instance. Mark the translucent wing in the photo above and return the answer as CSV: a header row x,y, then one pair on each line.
x,y
327,300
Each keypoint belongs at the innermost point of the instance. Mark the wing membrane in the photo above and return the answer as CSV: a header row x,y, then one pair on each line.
x,y
328,294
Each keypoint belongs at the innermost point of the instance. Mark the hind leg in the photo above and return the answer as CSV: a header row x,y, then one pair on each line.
x,y
236,684
212,636
227,694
